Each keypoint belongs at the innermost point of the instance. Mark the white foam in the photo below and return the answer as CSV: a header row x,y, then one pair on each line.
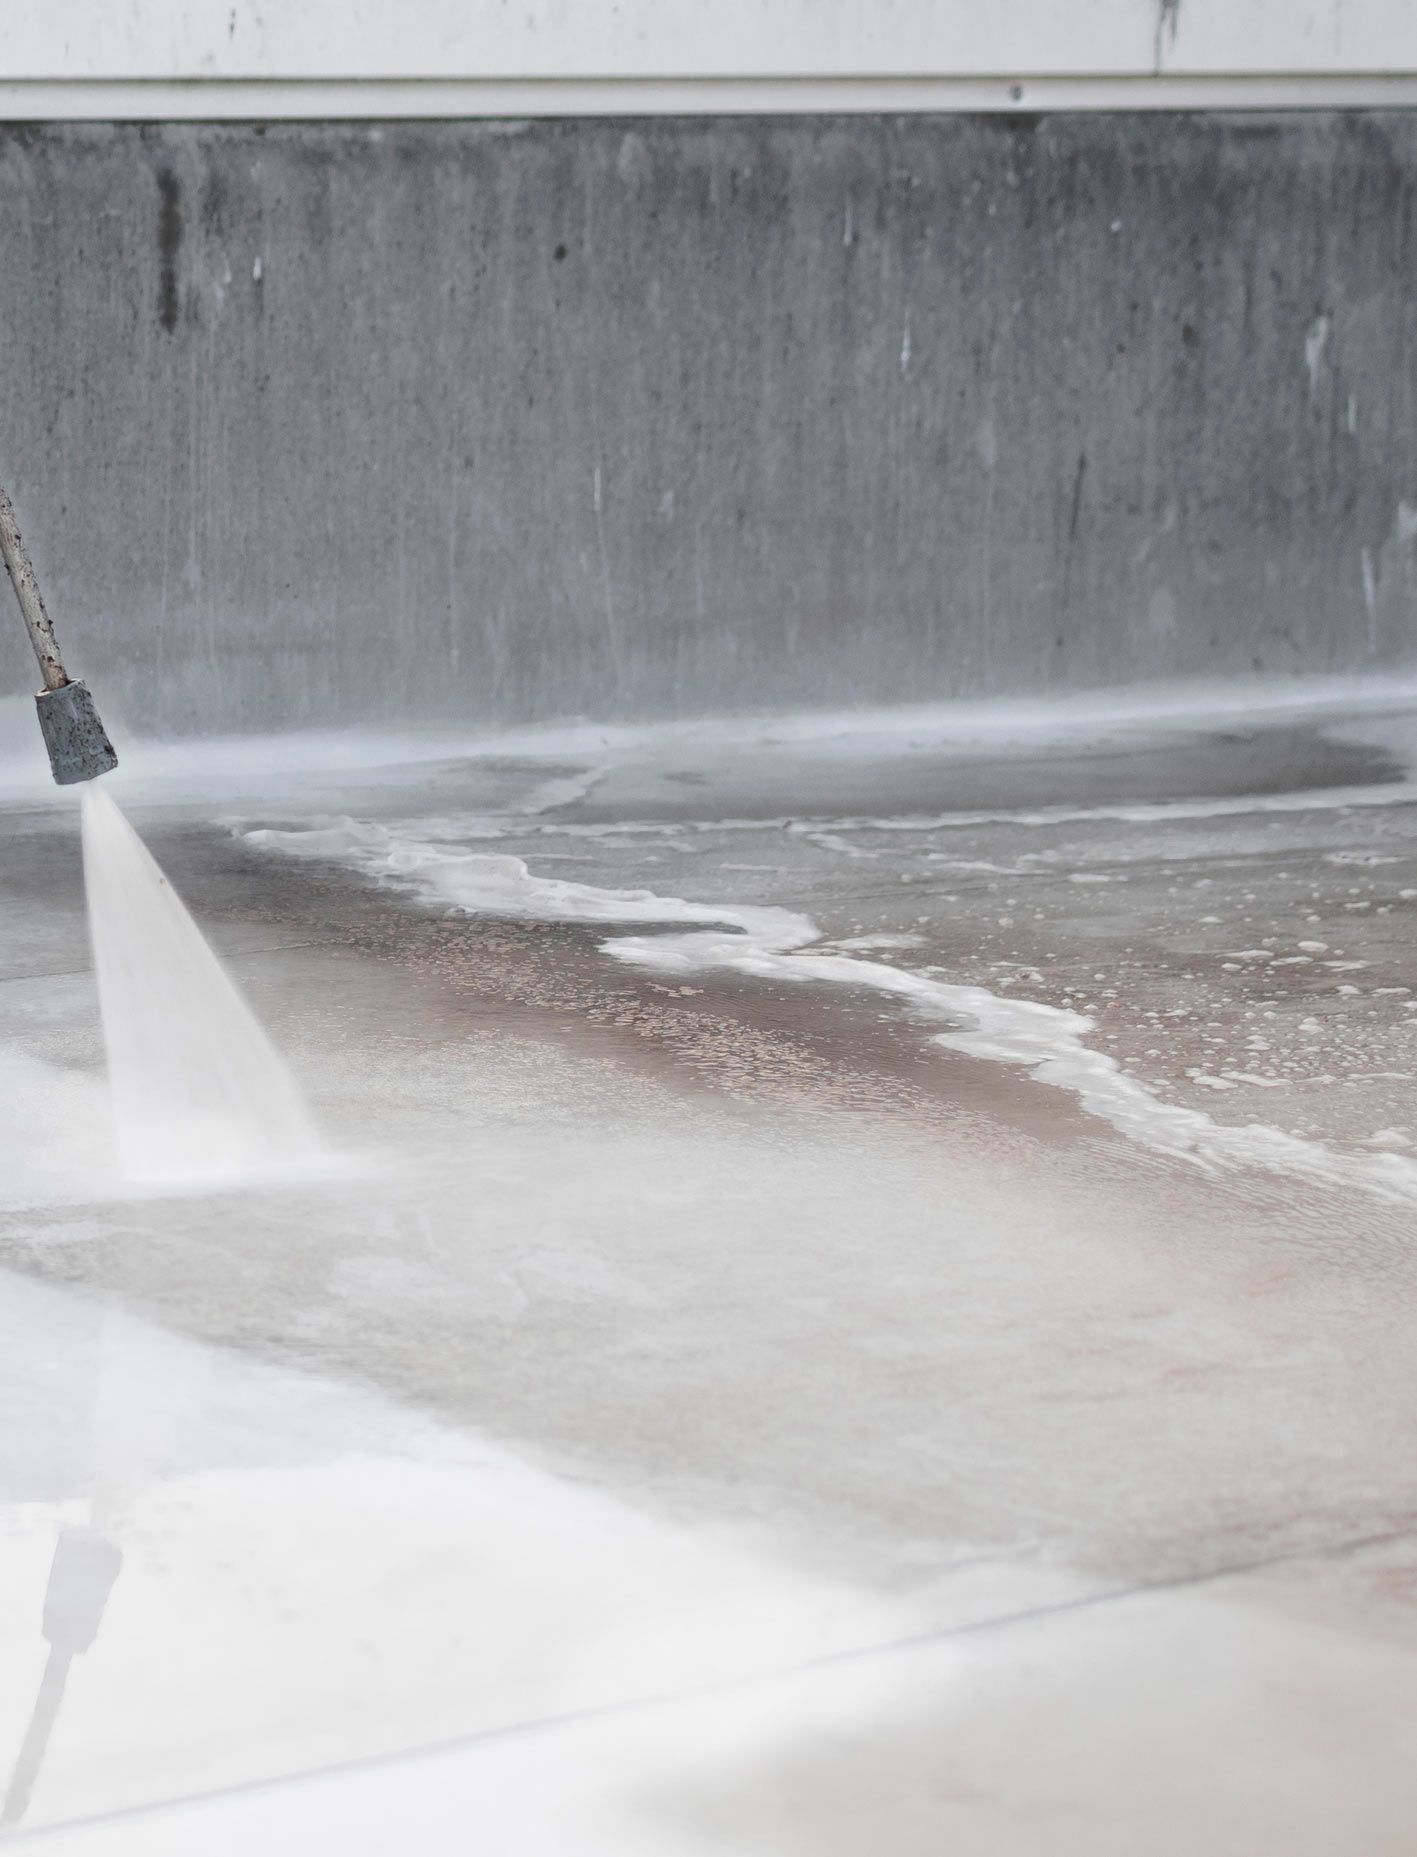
x,y
774,943
1147,812
487,884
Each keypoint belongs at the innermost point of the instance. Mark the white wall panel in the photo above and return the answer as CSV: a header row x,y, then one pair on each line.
x,y
420,57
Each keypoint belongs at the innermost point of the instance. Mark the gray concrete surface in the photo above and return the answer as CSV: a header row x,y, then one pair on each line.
x,y
713,1416
320,422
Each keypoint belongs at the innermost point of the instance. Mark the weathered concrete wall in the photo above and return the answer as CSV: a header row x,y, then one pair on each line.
x,y
474,420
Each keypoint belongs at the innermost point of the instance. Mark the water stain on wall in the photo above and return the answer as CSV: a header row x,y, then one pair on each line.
x,y
169,244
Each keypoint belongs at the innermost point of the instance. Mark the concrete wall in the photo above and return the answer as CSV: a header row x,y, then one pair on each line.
x,y
612,417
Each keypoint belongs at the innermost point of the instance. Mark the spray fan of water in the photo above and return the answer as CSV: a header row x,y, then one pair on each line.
x,y
200,1094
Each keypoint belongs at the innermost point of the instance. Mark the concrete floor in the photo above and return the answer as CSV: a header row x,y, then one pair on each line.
x,y
705,1411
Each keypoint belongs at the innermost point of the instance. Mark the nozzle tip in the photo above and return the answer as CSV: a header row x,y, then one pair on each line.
x,y
79,749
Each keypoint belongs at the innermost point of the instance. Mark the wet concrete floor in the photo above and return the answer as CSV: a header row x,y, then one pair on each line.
x,y
708,1413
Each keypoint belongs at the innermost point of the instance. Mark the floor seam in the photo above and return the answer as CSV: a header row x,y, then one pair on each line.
x,y
510,1731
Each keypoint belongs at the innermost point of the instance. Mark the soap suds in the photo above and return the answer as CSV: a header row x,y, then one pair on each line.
x,y
774,943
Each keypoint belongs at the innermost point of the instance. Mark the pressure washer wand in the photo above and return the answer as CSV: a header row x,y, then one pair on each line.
x,y
85,1566
78,747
